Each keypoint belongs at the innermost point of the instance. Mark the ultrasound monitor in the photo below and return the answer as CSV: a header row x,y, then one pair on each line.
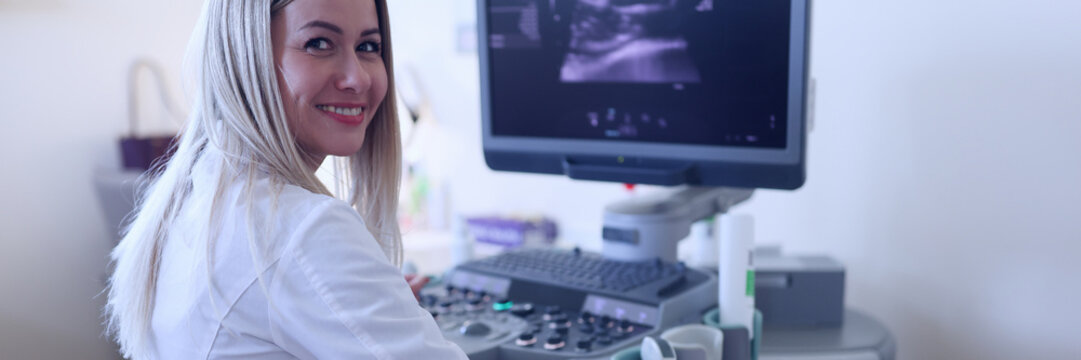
x,y
663,92
704,93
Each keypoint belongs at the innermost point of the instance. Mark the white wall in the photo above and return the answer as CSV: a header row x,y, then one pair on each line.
x,y
944,171
944,168
63,65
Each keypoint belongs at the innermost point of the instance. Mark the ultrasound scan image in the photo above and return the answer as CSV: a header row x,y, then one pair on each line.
x,y
627,41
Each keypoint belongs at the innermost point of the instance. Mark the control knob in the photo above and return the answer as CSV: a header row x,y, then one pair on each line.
x,y
555,342
526,339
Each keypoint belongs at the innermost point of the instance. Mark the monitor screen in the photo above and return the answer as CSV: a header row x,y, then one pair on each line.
x,y
703,92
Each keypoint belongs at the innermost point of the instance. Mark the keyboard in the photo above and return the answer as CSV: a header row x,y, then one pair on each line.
x,y
577,269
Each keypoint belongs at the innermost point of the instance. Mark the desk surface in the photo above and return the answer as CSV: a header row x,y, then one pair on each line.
x,y
861,337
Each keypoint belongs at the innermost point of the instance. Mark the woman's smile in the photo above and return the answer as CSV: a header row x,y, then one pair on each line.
x,y
349,114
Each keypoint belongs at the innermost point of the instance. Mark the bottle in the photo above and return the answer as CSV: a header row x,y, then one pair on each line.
x,y
736,270
461,246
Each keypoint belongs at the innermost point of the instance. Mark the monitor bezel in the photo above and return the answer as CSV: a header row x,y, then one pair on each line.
x,y
710,165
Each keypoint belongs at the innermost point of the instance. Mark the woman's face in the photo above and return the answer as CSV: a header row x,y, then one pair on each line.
x,y
330,71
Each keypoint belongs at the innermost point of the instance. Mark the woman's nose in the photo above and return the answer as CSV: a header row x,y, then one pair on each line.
x,y
354,77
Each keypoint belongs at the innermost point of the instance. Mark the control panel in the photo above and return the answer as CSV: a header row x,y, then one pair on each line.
x,y
508,313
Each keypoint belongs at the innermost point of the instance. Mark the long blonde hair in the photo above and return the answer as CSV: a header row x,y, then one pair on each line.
x,y
238,109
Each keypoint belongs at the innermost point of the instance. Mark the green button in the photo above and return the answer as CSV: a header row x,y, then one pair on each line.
x,y
502,306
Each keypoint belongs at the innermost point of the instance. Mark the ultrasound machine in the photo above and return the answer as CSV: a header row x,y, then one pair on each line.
x,y
709,97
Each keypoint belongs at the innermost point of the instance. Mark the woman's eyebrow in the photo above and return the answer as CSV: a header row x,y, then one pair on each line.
x,y
369,32
335,28
322,24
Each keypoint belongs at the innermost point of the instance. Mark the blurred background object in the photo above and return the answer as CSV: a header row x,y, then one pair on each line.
x,y
117,188
140,151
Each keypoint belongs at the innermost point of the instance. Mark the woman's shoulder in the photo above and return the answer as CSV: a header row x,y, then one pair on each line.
x,y
256,193
308,221
293,198
280,217
293,205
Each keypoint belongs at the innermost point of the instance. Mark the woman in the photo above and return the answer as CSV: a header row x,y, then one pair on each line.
x,y
237,250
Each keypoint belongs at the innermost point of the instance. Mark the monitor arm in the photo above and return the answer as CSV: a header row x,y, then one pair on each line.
x,y
650,226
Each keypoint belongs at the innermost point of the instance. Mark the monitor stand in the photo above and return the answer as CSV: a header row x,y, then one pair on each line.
x,y
650,226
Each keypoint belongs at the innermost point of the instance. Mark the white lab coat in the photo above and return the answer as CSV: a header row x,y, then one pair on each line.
x,y
328,291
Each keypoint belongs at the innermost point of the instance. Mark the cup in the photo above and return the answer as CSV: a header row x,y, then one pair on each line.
x,y
695,342
657,349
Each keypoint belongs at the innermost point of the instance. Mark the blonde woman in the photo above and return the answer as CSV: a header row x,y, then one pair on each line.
x,y
237,250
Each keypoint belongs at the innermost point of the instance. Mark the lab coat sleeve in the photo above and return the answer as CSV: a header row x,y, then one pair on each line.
x,y
335,295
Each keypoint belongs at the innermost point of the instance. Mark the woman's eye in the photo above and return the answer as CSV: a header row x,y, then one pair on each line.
x,y
368,46
317,44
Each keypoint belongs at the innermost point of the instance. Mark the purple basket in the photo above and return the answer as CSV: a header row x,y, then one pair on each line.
x,y
511,233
